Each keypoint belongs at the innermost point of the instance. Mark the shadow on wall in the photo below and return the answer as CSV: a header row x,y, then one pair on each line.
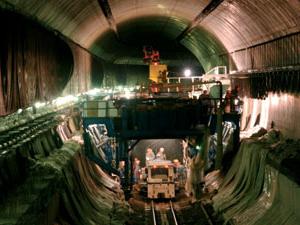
x,y
87,72
35,64
130,75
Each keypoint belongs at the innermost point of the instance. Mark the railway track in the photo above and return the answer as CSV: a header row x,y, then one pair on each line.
x,y
163,214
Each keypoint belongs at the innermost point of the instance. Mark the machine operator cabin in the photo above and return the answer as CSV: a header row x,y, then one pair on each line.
x,y
148,112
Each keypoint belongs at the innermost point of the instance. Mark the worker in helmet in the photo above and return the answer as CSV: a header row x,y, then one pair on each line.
x,y
161,154
149,155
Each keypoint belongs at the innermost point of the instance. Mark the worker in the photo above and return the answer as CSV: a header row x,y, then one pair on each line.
x,y
161,154
149,155
205,103
121,170
180,172
234,100
204,95
227,104
136,170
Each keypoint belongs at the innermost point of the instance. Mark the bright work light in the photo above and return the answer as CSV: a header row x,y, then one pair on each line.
x,y
187,72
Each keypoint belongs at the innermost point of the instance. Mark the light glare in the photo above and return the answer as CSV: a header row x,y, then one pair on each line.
x,y
187,72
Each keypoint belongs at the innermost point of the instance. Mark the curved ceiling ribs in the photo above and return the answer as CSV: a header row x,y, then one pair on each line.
x,y
228,25
105,7
213,4
165,21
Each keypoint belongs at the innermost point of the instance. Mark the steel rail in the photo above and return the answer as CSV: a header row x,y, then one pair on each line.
x,y
173,213
153,212
206,214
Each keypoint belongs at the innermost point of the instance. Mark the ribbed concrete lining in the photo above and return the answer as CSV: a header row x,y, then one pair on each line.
x,y
243,23
235,24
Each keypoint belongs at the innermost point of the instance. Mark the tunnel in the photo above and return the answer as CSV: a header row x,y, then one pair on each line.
x,y
149,112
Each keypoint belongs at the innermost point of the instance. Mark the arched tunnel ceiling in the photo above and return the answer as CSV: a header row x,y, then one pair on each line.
x,y
156,31
233,24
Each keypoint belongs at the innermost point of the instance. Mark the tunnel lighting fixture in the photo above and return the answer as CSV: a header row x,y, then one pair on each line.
x,y
93,92
20,111
187,72
128,94
64,100
4,152
236,101
39,104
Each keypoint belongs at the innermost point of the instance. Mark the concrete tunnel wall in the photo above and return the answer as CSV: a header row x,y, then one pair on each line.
x,y
38,65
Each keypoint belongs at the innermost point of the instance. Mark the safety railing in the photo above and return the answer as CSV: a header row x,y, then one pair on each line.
x,y
217,70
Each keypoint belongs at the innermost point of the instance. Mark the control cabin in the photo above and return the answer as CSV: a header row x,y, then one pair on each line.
x,y
160,179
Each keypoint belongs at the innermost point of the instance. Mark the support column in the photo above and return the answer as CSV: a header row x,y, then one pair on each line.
x,y
123,145
123,156
205,147
219,138
127,166
219,130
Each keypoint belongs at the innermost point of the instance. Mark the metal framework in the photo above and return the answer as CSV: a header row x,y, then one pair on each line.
x,y
123,129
